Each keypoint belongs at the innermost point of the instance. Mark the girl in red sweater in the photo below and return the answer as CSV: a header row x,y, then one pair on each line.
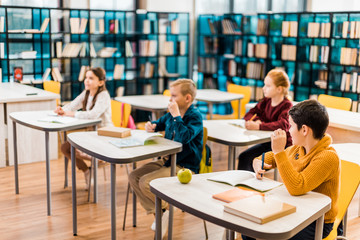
x,y
269,114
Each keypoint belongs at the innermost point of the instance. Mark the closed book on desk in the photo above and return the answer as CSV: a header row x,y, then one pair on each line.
x,y
114,132
235,194
259,209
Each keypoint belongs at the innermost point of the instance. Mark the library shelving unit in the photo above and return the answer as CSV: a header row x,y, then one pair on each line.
x,y
141,52
318,50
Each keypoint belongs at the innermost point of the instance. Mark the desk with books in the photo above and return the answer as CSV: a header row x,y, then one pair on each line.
x,y
41,120
198,201
18,97
100,147
233,134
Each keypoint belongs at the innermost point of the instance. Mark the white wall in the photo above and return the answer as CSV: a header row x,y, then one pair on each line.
x,y
169,5
335,5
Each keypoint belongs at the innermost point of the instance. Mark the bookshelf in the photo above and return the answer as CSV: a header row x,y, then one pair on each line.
x,y
319,51
141,52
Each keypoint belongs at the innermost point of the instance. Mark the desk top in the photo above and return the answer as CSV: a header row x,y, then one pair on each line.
x,y
16,92
99,147
157,102
31,119
216,96
196,198
348,151
222,131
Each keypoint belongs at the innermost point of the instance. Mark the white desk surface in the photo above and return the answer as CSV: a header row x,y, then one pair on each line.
x,y
30,119
216,96
16,92
99,147
348,151
196,198
157,102
222,131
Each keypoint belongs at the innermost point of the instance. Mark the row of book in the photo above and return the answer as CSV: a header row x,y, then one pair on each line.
x,y
355,106
255,70
350,82
147,70
42,29
318,30
351,29
228,26
262,27
2,50
288,52
349,56
211,45
167,48
258,50
78,25
289,29
322,79
238,47
147,48
233,69
319,54
149,26
207,65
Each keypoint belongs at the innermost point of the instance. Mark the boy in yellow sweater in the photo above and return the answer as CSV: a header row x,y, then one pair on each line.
x,y
310,164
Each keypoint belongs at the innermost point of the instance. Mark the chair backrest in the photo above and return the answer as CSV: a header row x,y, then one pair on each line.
x,y
341,103
54,87
206,159
167,92
349,182
120,113
244,90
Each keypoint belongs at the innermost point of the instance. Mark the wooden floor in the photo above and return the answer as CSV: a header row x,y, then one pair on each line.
x,y
24,216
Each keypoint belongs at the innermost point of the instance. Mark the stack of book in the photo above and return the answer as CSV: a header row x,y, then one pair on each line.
x,y
289,28
262,27
288,52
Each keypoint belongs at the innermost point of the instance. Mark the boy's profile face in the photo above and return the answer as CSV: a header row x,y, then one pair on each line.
x,y
176,95
295,133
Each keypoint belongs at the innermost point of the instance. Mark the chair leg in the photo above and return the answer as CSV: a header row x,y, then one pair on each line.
x,y
105,179
206,232
126,203
91,171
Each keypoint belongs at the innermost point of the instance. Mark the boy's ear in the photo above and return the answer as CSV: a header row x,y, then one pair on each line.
x,y
188,97
306,130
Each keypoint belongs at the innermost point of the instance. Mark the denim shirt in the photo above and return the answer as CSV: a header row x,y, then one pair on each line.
x,y
188,131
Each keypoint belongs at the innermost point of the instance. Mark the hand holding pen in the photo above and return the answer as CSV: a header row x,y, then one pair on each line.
x,y
150,127
260,166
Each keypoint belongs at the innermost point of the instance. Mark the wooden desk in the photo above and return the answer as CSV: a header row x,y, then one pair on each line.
x,y
157,104
100,148
198,201
221,131
13,98
213,96
30,119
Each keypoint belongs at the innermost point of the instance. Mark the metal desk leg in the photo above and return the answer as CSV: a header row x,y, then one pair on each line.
x,y
171,208
157,218
95,180
66,161
211,110
134,201
239,113
113,201
231,158
319,228
48,187
15,160
73,178
230,235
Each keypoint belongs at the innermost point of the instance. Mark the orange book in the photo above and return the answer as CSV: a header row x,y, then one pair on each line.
x,y
235,194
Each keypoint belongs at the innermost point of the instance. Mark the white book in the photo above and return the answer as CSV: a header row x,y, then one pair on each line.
x,y
245,178
354,81
82,73
92,24
118,71
343,81
44,25
146,26
2,50
74,25
137,138
92,50
358,85
101,26
56,74
2,24
1,75
46,74
58,119
83,23
345,29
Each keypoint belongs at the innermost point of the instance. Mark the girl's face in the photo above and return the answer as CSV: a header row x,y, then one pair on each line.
x,y
92,82
270,89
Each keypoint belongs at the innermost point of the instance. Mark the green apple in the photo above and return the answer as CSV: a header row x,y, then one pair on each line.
x,y
184,175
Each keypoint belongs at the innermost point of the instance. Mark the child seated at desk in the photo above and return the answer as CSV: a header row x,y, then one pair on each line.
x,y
310,164
269,114
94,102
183,123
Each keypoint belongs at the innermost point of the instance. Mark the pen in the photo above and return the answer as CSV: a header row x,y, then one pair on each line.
x,y
149,116
262,162
252,118
29,94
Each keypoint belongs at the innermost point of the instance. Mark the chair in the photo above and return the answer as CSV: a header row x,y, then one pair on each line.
x,y
167,92
244,90
349,182
341,103
54,87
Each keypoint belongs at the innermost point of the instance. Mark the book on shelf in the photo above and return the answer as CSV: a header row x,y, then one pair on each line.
x,y
255,70
46,74
147,89
92,51
118,71
175,26
1,79
288,52
289,28
235,194
55,73
112,131
28,54
44,25
146,26
261,50
128,49
58,49
245,178
2,23
345,29
250,49
260,209
18,74
313,29
262,27
163,23
181,47
57,119
106,52
82,72
354,106
92,25
101,26
212,27
83,23
238,47
114,26
137,138
74,25
147,70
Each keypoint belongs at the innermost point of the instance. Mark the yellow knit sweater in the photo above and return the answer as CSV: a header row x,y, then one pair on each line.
x,y
318,171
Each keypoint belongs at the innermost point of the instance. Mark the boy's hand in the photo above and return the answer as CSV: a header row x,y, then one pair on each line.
x,y
59,111
149,127
278,141
251,125
174,109
257,163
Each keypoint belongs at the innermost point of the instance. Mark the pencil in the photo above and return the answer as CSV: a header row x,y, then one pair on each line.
x,y
252,118
262,162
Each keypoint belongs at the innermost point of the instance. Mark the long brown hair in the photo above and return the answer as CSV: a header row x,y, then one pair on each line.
x,y
101,74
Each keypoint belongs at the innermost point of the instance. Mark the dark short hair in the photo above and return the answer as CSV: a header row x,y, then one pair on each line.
x,y
312,114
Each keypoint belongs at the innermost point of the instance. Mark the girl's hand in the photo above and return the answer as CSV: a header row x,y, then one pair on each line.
x,y
278,141
251,125
59,111
149,127
69,114
257,163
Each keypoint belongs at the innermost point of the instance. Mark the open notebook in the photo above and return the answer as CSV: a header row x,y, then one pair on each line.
x,y
245,178
57,119
137,138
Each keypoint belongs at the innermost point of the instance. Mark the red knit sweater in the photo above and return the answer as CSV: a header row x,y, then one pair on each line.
x,y
272,118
